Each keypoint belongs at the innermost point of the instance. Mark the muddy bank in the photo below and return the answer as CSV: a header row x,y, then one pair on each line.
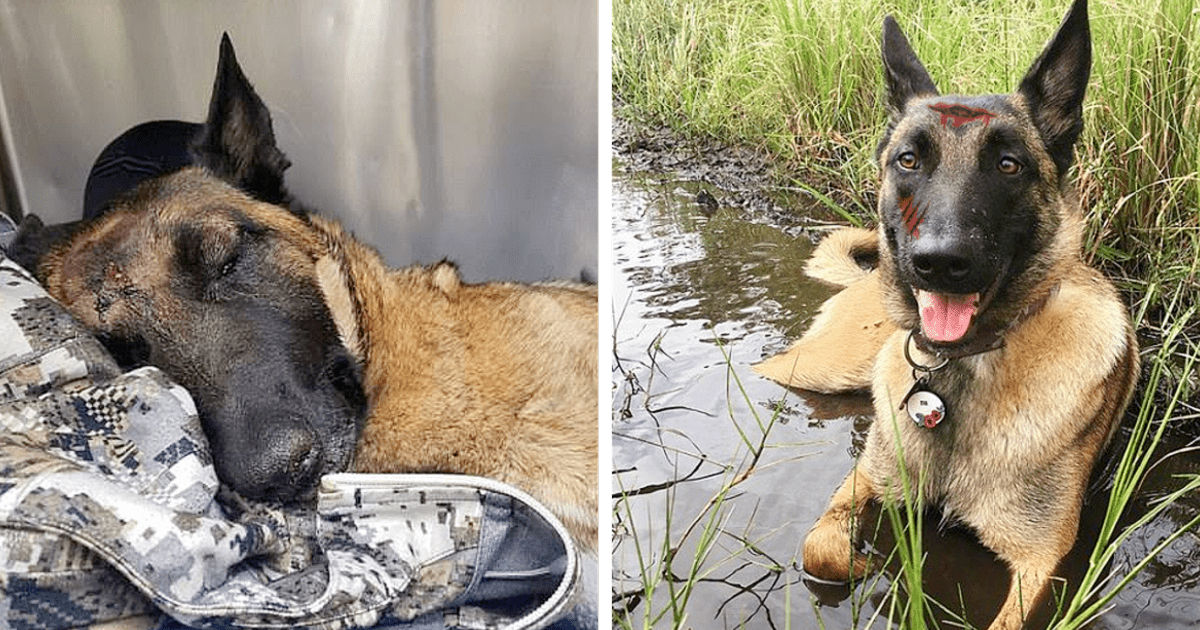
x,y
737,177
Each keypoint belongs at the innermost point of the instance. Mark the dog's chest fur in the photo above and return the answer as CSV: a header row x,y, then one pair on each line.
x,y
996,416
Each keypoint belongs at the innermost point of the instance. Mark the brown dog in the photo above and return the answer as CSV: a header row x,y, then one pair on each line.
x,y
288,332
998,361
497,380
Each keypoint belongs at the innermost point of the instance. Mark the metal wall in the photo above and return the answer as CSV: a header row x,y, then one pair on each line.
x,y
437,129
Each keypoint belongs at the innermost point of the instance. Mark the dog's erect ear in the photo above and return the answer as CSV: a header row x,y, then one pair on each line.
x,y
237,143
1055,85
904,74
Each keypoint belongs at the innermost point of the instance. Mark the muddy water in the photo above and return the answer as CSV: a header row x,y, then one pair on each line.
x,y
701,292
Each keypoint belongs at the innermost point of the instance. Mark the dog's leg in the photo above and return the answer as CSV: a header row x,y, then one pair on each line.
x,y
830,552
1030,582
1032,546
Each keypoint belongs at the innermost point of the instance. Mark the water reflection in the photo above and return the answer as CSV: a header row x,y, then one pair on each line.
x,y
700,294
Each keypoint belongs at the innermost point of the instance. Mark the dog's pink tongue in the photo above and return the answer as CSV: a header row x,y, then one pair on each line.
x,y
944,316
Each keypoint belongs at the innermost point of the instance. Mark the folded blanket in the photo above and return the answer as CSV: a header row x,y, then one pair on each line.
x,y
110,510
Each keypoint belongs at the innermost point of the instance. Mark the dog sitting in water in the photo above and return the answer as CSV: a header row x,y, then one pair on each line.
x,y
998,361
287,330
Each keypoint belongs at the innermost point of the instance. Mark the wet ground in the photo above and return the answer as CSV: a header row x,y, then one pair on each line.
x,y
724,471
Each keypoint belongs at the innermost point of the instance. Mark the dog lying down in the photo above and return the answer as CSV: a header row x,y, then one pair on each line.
x,y
999,363
306,354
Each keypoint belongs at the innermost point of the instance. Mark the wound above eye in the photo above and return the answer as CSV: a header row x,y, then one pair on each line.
x,y
956,114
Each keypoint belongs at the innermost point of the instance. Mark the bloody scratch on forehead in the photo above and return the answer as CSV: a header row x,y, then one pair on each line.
x,y
959,115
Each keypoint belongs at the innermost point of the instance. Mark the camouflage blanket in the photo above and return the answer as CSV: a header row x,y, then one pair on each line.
x,y
110,511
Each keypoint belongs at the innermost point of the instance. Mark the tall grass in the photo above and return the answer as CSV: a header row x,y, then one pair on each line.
x,y
1097,588
801,80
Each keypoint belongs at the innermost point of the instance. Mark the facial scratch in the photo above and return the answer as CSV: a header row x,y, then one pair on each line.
x,y
912,215
958,115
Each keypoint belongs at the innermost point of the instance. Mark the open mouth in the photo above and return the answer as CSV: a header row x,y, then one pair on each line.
x,y
946,317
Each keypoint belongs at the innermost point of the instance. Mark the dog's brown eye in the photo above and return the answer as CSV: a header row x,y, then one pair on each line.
x,y
908,160
1009,166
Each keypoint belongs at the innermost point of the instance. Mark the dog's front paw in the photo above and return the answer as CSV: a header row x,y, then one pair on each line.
x,y
829,553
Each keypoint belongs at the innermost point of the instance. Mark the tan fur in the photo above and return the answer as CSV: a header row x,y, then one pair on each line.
x,y
497,380
837,353
833,260
125,259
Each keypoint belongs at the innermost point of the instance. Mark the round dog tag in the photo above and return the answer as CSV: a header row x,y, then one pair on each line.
x,y
925,408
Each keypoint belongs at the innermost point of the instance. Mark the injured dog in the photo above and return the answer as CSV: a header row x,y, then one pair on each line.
x,y
286,329
998,361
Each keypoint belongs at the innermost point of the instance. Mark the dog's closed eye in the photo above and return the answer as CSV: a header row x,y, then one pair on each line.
x,y
230,264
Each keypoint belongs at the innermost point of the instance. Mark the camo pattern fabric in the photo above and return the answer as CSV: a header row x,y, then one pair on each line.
x,y
110,511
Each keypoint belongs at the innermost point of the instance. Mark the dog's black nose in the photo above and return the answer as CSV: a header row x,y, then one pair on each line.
x,y
281,460
295,461
945,265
